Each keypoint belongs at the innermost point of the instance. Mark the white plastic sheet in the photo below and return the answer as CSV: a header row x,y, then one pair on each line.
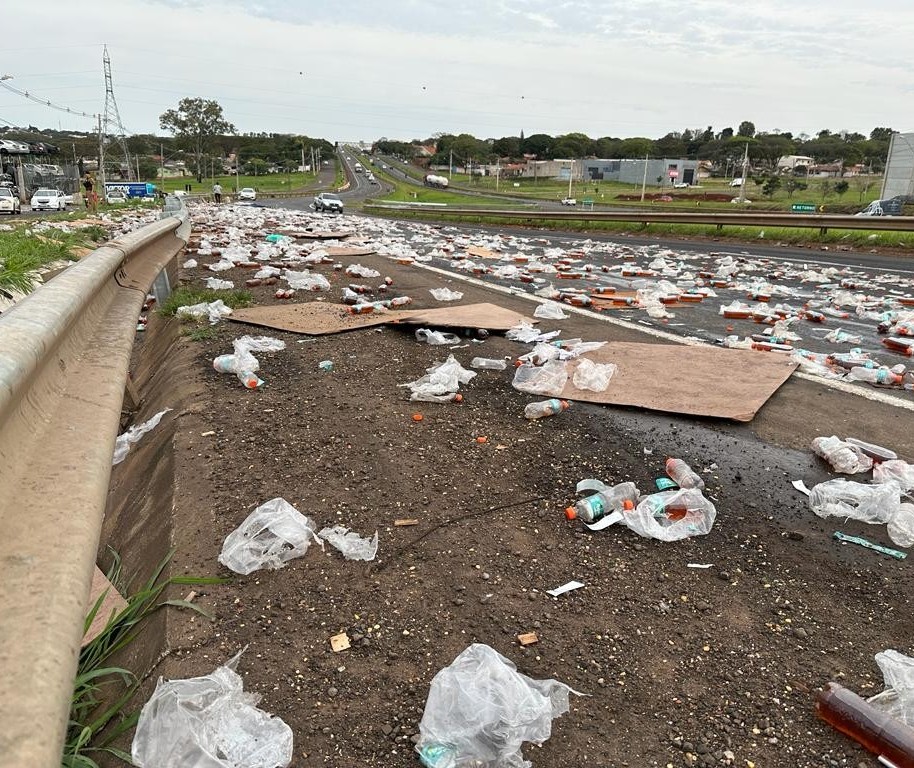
x,y
125,441
593,376
441,379
217,284
480,710
270,536
897,471
306,281
436,338
209,722
672,515
897,700
445,294
214,311
357,270
857,501
549,311
353,546
548,379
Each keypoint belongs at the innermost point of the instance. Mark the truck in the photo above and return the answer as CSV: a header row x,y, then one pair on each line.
x,y
431,180
132,190
358,167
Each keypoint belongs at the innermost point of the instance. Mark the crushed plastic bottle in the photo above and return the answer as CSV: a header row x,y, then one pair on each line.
x,y
683,475
605,501
545,408
881,376
843,457
488,364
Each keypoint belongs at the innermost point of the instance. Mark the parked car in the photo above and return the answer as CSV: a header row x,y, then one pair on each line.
x,y
247,193
115,195
327,201
738,200
569,201
681,185
67,198
9,203
48,200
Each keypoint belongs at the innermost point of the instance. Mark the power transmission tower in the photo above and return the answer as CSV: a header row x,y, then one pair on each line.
x,y
112,126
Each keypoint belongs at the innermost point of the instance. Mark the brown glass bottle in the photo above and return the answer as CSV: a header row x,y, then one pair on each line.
x,y
873,729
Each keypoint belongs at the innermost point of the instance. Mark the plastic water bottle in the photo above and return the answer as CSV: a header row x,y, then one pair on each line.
x,y
250,379
426,397
545,408
683,475
592,508
488,364
842,457
874,375
437,755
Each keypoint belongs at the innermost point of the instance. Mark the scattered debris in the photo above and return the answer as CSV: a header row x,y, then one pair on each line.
x,y
405,521
128,439
340,642
568,587
527,638
353,546
870,545
209,721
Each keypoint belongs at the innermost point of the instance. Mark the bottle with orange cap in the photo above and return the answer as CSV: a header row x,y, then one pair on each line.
x,y
683,475
545,408
607,499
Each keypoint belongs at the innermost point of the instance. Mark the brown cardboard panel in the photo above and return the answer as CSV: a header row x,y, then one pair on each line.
x,y
113,603
315,235
699,381
343,252
319,318
482,253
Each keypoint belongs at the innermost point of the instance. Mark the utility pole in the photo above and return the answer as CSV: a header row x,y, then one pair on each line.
x,y
644,179
101,156
742,187
162,161
497,172
570,175
450,165
237,169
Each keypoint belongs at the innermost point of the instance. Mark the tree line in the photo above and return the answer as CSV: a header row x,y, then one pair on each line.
x,y
849,148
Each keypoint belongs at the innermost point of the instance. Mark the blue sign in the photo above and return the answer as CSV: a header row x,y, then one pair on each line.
x,y
132,188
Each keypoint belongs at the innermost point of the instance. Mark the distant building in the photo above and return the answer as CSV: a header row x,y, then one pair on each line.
x,y
553,169
793,162
632,171
899,168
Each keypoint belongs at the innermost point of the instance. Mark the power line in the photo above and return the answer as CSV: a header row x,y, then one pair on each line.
x,y
45,102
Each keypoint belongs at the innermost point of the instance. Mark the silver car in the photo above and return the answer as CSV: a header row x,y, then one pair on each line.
x,y
9,203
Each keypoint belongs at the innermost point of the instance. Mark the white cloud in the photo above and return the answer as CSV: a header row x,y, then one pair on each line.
x,y
410,69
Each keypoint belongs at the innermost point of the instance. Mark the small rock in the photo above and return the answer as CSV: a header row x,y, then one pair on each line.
x,y
386,730
458,601
724,576
703,606
801,633
332,692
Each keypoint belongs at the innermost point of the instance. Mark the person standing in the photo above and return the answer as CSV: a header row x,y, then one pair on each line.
x,y
217,192
90,194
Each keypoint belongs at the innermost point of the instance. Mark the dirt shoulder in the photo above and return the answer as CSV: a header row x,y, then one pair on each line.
x,y
682,666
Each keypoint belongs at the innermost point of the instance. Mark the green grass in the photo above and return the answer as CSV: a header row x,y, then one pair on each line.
x,y
199,332
271,182
98,717
188,295
791,236
23,254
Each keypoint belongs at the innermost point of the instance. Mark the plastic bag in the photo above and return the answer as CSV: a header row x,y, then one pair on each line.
x,y
445,294
901,526
480,710
548,379
845,498
125,441
353,546
219,285
209,722
436,338
270,536
672,515
242,363
527,333
357,270
593,376
190,264
897,700
843,457
549,311
214,311
306,281
488,364
897,471
441,379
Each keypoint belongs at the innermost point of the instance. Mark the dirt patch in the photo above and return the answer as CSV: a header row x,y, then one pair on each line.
x,y
683,666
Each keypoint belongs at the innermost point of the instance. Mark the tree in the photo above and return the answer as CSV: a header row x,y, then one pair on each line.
x,y
841,187
149,168
772,184
881,134
746,128
196,123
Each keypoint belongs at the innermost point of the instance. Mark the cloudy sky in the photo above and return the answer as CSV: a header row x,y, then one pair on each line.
x,y
362,69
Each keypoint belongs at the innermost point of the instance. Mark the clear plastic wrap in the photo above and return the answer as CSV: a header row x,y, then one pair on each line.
x,y
480,710
593,376
548,379
353,546
857,501
672,515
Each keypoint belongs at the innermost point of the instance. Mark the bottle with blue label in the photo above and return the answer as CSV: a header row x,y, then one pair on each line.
x,y
604,502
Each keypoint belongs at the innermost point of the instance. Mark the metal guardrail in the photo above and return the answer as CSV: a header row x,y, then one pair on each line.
x,y
821,222
64,355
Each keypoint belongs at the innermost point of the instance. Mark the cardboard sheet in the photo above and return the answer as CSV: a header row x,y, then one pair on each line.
x,y
698,381
315,235
344,252
318,318
113,603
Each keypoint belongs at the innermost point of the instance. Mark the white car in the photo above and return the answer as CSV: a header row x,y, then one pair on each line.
x,y
327,201
744,202
569,201
48,200
247,193
9,203
681,185
115,195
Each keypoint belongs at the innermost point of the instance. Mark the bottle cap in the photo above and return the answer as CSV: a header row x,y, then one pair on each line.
x,y
570,513
628,505
565,404
458,398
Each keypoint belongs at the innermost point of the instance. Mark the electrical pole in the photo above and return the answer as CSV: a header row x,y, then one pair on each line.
x,y
742,187
644,179
570,175
101,155
450,165
162,161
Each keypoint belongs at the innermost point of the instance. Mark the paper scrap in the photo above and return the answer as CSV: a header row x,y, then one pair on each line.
x,y
800,486
605,522
564,588
527,638
406,521
699,565
339,642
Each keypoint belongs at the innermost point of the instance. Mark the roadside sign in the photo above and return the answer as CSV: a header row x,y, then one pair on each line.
x,y
803,207
674,174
